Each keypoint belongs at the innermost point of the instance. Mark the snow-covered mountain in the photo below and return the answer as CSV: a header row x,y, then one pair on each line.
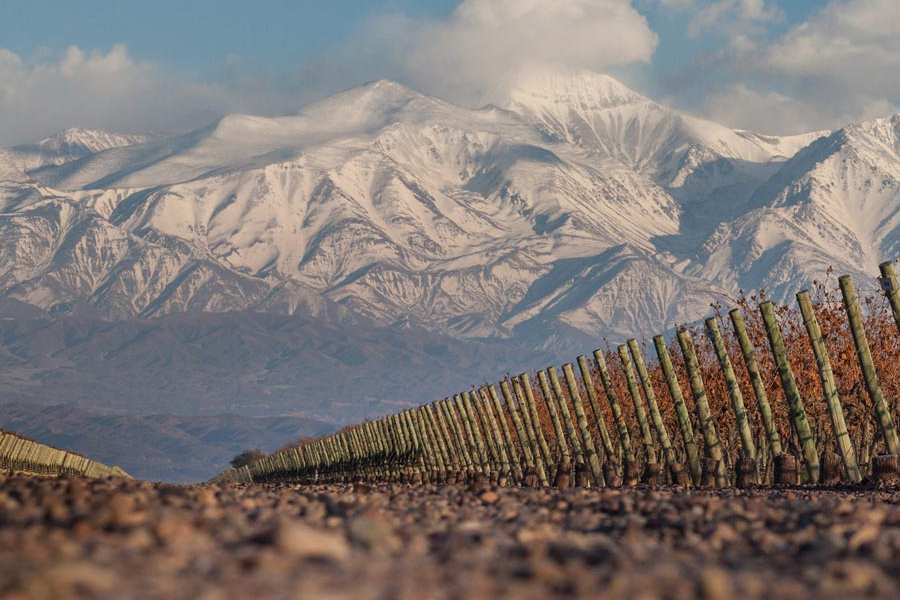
x,y
67,146
577,208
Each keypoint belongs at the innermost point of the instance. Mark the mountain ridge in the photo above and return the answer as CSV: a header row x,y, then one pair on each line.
x,y
522,220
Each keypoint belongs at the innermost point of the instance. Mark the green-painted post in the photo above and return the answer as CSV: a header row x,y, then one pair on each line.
x,y
759,386
515,455
565,456
587,440
531,404
891,288
615,406
681,409
791,391
530,431
870,375
701,402
829,387
748,446
637,355
640,413
606,442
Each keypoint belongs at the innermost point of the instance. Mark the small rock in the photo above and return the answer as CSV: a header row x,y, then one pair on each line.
x,y
373,533
207,497
490,497
862,536
123,512
296,539
715,584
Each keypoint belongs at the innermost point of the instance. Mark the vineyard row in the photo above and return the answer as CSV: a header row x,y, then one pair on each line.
x,y
767,395
20,454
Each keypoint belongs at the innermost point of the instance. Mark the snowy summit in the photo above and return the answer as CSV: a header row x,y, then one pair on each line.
x,y
577,208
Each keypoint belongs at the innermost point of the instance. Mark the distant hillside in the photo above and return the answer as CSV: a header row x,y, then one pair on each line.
x,y
155,447
241,363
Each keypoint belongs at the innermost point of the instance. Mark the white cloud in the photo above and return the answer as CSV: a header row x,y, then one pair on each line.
x,y
854,42
462,57
734,17
842,64
81,88
676,4
765,111
113,90
484,42
839,66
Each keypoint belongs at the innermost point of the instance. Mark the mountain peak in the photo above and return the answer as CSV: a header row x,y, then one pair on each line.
x,y
368,106
885,130
582,88
388,86
379,95
87,140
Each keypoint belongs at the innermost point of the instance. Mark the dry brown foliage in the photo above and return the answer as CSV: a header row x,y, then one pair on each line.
x,y
884,341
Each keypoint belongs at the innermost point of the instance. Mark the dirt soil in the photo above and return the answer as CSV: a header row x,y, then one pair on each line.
x,y
75,538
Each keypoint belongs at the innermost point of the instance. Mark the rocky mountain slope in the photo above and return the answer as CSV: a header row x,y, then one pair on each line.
x,y
577,206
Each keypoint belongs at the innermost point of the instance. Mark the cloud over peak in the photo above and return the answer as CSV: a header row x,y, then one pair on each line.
x,y
747,63
484,44
110,90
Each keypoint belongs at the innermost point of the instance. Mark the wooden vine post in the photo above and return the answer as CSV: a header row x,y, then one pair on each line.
x,y
791,392
500,440
565,455
567,420
530,467
531,403
652,467
515,455
628,459
611,466
714,469
829,387
867,364
747,468
675,468
587,440
681,410
530,432
891,287
759,388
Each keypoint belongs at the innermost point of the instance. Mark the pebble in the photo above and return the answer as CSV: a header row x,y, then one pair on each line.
x,y
302,541
124,539
490,497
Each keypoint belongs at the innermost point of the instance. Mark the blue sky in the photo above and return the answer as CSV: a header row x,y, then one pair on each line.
x,y
198,35
166,65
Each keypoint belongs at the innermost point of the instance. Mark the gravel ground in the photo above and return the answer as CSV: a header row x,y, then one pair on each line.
x,y
76,538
